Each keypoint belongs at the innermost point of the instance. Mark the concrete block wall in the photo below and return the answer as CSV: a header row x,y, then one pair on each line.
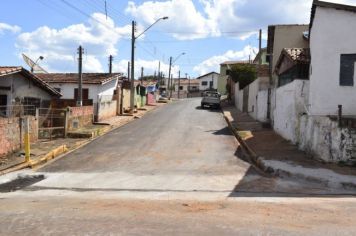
x,y
12,133
79,117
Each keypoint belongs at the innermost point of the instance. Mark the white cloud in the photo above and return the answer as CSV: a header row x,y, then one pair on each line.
x,y
213,63
229,18
184,19
98,37
6,27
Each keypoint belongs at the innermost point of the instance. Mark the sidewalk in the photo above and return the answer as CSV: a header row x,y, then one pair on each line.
x,y
45,150
275,155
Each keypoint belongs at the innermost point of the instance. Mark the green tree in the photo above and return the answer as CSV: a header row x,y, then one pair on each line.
x,y
244,74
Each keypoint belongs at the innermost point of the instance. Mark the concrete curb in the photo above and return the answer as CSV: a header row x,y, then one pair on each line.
x,y
259,162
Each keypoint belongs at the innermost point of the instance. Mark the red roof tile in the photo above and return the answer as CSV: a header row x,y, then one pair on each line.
x,y
88,78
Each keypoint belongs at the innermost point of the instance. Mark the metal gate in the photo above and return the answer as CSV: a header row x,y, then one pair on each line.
x,y
51,123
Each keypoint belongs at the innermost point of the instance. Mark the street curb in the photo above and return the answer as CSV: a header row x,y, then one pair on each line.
x,y
253,156
258,161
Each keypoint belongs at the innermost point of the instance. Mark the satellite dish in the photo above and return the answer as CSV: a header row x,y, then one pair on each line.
x,y
35,68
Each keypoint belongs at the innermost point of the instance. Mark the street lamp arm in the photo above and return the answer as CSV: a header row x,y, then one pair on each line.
x,y
162,18
178,57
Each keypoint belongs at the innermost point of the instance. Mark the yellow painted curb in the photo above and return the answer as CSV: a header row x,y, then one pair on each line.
x,y
50,155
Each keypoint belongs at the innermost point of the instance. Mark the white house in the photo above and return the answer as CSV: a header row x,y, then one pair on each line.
x,y
333,58
97,89
96,86
18,86
208,81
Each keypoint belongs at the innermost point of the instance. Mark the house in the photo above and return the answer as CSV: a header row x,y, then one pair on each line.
x,y
224,75
261,56
279,38
293,64
97,89
333,58
18,86
208,81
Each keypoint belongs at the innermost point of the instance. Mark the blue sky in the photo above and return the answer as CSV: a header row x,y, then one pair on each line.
x,y
208,31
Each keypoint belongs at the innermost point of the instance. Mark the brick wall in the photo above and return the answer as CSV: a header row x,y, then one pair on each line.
x,y
79,117
12,134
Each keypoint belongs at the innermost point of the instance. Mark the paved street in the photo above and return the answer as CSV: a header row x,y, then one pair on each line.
x,y
175,171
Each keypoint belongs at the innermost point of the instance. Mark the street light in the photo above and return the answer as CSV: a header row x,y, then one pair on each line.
x,y
133,40
33,66
169,74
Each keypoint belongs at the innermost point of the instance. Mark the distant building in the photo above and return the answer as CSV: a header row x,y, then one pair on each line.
x,y
208,81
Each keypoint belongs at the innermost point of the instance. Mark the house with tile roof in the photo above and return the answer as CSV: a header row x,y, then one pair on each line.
x,y
19,86
293,64
98,89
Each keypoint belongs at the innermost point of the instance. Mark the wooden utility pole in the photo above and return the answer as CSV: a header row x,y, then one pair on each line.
x,y
178,84
80,77
128,71
141,75
169,77
110,63
260,47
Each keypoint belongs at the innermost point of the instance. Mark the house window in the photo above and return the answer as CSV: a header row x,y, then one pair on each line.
x,y
180,87
347,69
204,83
85,94
211,84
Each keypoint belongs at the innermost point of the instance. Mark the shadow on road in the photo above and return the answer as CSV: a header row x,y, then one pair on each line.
x,y
208,109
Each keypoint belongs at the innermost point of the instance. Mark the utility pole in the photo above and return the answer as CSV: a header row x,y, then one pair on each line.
x,y
110,63
260,47
80,77
128,70
141,75
169,78
132,91
178,84
159,72
189,87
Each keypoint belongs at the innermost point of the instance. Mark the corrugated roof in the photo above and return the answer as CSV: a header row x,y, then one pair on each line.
x,y
7,70
88,78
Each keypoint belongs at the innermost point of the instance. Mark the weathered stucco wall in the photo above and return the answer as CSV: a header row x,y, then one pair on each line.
x,y
12,133
291,103
107,109
321,137
333,33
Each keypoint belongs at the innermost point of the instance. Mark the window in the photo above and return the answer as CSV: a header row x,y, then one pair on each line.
x,y
347,69
85,94
211,84
180,87
204,83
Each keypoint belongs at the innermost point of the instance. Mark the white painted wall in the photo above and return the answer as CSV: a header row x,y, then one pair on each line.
x,y
21,87
236,96
333,33
262,107
240,99
95,90
252,98
291,100
212,77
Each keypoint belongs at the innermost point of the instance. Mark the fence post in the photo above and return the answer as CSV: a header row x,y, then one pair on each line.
x,y
27,139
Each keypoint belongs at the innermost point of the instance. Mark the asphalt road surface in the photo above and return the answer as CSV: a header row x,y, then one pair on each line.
x,y
176,171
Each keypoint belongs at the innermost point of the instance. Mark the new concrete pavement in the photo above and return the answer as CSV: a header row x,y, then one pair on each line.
x,y
175,171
